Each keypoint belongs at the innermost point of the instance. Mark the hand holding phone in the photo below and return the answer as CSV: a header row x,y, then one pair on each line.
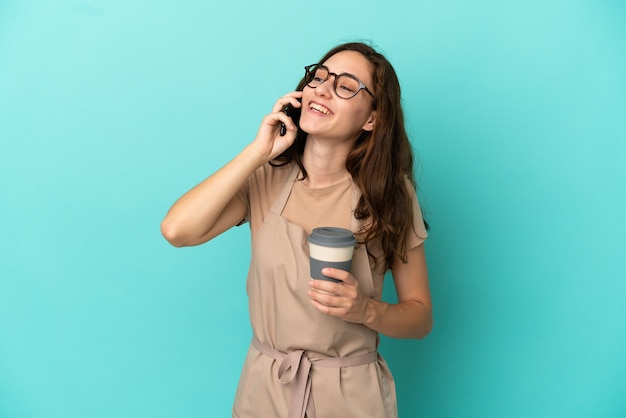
x,y
293,113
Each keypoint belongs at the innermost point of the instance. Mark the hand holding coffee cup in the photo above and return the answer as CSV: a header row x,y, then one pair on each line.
x,y
330,247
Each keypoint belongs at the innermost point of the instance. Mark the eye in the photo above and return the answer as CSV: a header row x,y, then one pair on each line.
x,y
320,75
347,85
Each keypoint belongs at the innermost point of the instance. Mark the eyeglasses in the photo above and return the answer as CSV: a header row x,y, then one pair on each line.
x,y
346,85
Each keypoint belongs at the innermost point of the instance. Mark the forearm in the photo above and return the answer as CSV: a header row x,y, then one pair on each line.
x,y
197,211
409,319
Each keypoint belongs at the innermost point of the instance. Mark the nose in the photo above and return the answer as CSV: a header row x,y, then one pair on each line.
x,y
325,88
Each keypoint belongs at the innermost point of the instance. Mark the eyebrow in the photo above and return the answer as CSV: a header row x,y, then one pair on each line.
x,y
344,73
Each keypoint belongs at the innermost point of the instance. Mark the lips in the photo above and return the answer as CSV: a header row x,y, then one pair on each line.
x,y
320,108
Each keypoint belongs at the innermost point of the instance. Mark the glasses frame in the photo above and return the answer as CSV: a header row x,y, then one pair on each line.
x,y
361,85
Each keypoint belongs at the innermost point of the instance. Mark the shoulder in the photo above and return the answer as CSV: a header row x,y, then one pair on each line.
x,y
261,190
264,185
268,179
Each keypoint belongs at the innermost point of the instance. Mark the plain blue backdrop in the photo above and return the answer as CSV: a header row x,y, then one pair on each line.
x,y
109,111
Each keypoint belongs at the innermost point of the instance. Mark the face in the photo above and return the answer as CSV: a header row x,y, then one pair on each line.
x,y
326,115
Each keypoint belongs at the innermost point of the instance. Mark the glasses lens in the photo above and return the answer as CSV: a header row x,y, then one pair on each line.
x,y
346,86
316,76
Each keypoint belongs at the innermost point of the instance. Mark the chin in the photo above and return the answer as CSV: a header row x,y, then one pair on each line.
x,y
306,127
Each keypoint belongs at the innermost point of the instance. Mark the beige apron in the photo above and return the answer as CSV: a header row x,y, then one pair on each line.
x,y
301,360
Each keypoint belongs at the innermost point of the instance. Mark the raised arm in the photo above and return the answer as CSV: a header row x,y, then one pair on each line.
x,y
211,208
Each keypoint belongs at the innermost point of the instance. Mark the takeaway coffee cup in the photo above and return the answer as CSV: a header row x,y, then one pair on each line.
x,y
330,247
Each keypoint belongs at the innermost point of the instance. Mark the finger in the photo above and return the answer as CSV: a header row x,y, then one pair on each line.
x,y
286,125
326,308
331,310
325,286
329,295
291,98
320,307
338,274
276,118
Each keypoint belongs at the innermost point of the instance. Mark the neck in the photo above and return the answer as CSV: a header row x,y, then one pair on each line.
x,y
325,162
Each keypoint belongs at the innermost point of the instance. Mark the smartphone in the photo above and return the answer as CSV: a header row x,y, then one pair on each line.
x,y
293,113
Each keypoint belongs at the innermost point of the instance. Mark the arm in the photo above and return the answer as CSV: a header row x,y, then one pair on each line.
x,y
411,317
211,207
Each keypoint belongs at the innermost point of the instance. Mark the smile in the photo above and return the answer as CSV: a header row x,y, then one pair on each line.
x,y
319,108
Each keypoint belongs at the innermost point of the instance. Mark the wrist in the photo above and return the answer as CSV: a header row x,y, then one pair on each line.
x,y
373,311
254,155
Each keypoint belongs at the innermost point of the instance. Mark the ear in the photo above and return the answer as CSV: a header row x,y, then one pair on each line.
x,y
370,123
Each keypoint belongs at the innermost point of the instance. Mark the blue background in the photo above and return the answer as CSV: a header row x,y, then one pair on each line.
x,y
109,111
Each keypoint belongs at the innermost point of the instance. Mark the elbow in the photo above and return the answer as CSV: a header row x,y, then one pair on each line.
x,y
424,330
425,326
171,233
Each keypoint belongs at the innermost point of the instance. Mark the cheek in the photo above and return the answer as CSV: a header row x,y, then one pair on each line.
x,y
360,116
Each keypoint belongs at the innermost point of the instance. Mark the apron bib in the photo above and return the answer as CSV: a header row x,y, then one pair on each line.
x,y
302,360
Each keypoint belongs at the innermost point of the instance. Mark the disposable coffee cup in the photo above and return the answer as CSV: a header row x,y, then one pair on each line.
x,y
330,247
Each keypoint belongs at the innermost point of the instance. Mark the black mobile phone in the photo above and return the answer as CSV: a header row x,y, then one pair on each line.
x,y
293,113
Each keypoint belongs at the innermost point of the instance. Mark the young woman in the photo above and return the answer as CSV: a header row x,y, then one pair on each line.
x,y
348,164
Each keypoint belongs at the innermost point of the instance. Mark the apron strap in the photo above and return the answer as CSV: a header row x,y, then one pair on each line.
x,y
356,195
283,196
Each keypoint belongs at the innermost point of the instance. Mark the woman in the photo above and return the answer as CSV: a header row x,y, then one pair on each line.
x,y
348,164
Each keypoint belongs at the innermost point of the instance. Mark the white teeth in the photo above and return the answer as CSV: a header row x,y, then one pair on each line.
x,y
320,108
